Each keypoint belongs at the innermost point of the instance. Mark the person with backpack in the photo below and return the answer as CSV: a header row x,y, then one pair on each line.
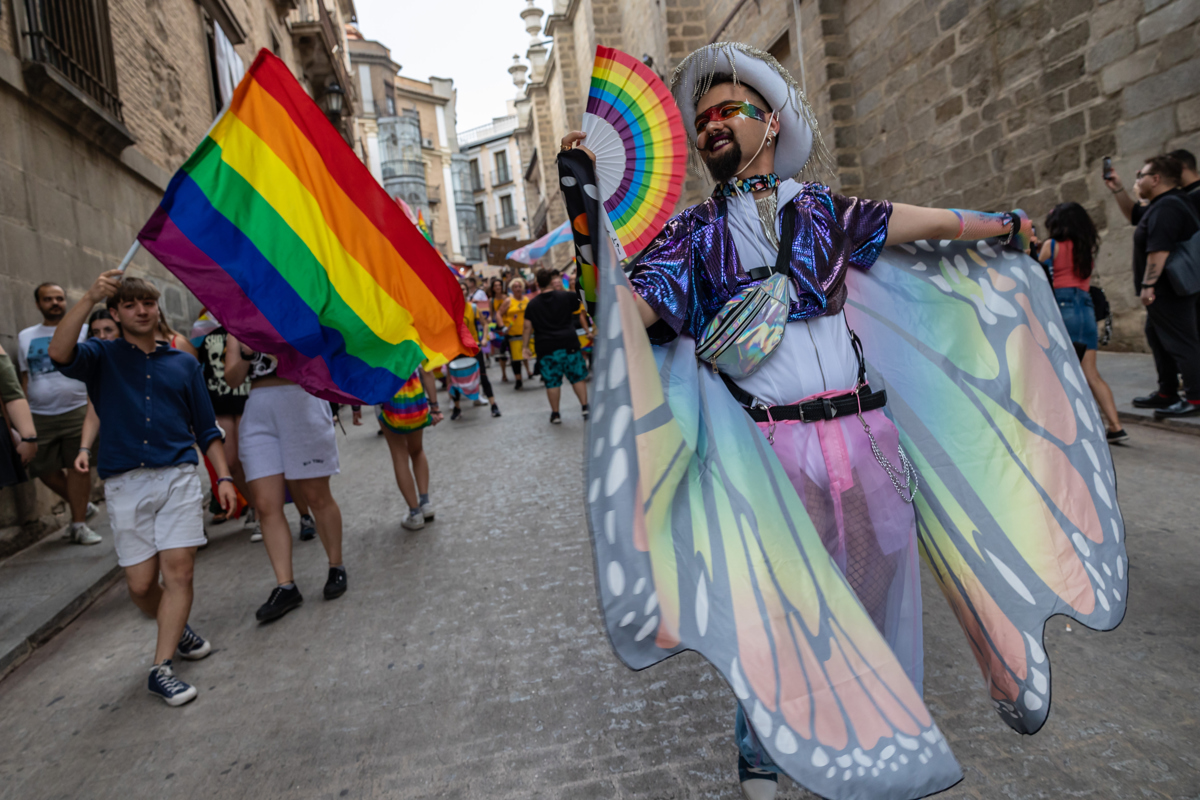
x,y
1071,253
1171,319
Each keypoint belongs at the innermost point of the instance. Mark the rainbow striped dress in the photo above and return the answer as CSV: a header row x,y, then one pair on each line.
x,y
408,411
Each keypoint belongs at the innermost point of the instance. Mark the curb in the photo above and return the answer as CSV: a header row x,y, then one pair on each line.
x,y
57,613
1148,421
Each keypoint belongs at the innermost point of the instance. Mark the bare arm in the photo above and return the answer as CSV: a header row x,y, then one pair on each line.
x,y
526,336
226,494
66,335
430,384
910,223
236,367
91,429
1124,201
1154,267
22,419
25,383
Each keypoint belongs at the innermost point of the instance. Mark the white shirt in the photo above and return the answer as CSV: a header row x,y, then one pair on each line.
x,y
480,296
50,392
815,355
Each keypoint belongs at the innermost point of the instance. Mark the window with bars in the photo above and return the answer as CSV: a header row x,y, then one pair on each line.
x,y
73,37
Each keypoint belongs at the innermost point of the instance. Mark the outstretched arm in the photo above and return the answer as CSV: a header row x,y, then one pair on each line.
x,y
910,223
66,334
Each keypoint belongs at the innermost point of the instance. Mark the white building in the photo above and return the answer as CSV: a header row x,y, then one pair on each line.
x,y
493,172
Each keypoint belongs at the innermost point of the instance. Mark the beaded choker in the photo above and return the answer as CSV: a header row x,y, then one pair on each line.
x,y
755,183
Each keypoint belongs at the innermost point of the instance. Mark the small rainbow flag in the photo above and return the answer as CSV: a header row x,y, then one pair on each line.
x,y
287,239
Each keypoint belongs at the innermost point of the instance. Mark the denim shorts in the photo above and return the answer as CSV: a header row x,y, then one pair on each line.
x,y
1079,315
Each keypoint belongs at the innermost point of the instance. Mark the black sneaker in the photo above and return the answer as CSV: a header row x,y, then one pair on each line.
x,y
495,410
584,409
279,603
336,585
555,418
456,413
192,645
517,385
308,528
1155,400
164,684
1114,437
1180,408
750,778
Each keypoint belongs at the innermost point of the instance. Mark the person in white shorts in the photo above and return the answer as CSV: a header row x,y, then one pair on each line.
x,y
287,434
154,410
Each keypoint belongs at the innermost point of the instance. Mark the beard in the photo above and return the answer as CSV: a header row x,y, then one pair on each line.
x,y
723,165
56,313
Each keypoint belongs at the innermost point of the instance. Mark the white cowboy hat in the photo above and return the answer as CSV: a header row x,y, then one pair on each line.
x,y
749,65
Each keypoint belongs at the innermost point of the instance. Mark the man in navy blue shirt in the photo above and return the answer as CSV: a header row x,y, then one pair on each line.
x,y
154,409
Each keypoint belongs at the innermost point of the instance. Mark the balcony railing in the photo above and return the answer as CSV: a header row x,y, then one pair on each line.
x,y
504,221
464,198
476,182
481,223
403,168
73,36
501,177
310,13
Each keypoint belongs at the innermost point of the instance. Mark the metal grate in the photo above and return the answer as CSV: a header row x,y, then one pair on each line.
x,y
73,37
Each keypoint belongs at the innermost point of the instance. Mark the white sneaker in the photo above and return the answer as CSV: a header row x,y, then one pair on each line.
x,y
82,534
413,522
251,522
427,511
92,510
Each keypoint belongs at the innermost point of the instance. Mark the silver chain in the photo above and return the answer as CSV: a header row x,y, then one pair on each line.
x,y
910,475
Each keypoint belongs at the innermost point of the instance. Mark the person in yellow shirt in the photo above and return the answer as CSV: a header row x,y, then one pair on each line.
x,y
512,315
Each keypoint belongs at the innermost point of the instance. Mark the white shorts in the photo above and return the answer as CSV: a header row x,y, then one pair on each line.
x,y
154,509
285,430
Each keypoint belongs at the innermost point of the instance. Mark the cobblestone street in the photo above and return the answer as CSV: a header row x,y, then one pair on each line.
x,y
468,659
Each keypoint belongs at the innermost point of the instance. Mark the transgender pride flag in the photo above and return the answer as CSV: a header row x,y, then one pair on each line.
x,y
530,253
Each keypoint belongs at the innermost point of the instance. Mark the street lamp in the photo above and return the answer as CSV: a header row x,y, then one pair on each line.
x,y
333,100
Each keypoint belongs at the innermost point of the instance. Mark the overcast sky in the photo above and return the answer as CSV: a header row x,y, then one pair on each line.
x,y
471,41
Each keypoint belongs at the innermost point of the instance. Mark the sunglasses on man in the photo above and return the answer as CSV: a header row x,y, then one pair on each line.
x,y
723,112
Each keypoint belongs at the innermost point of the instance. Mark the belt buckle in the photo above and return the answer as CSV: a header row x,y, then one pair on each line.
x,y
829,408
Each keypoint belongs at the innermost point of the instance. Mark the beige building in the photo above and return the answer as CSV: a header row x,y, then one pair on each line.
x,y
955,103
406,131
496,178
100,102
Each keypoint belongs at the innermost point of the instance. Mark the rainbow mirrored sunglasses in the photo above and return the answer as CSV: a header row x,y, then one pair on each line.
x,y
727,111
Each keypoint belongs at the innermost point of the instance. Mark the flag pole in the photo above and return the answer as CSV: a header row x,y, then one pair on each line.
x,y
136,244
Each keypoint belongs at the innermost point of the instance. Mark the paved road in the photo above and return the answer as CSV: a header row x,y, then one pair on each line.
x,y
467,659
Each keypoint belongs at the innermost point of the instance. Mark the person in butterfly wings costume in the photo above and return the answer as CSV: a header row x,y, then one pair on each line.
x,y
769,516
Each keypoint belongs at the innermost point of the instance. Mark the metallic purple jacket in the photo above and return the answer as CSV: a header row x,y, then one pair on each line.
x,y
691,269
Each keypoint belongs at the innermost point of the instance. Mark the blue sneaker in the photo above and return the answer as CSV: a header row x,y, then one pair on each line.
x,y
164,684
192,645
308,528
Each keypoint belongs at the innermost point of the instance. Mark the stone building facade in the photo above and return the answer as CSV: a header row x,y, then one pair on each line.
x,y
93,125
496,179
990,104
406,129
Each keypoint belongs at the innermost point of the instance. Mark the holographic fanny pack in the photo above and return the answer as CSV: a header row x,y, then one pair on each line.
x,y
749,327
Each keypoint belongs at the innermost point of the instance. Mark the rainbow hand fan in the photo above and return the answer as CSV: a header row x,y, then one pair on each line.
x,y
634,128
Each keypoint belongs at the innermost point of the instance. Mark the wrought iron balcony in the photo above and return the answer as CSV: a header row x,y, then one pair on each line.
x,y
505,221
501,177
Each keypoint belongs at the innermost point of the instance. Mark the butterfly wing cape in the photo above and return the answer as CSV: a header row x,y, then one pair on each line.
x,y
701,543
284,235
1017,512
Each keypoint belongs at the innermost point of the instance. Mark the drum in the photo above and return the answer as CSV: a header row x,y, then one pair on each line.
x,y
464,377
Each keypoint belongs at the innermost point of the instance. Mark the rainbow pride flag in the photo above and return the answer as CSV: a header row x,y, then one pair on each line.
x,y
287,239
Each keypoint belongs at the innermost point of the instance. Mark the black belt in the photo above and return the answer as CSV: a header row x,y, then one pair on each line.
x,y
823,408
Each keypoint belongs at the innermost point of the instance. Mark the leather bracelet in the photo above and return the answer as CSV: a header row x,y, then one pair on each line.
x,y
1149,285
29,439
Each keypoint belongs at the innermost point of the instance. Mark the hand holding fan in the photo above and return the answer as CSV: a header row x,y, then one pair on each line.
x,y
634,128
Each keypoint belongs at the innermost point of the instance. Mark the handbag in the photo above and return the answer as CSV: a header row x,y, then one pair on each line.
x,y
1183,264
1103,314
749,327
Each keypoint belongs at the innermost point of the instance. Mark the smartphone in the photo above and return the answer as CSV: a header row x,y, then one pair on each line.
x,y
1108,173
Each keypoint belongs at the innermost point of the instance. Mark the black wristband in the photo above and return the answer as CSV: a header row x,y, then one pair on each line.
x,y
33,440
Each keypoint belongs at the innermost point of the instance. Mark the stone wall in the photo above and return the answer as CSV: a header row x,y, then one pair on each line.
x,y
70,209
